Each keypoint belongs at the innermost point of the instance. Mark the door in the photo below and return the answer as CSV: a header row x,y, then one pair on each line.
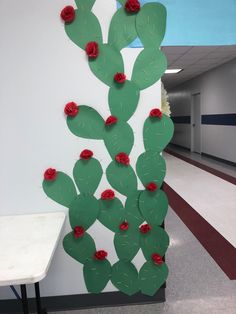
x,y
196,124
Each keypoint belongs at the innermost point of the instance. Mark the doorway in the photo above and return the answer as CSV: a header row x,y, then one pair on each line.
x,y
196,143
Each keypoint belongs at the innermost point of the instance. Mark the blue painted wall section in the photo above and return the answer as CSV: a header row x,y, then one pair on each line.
x,y
209,119
198,22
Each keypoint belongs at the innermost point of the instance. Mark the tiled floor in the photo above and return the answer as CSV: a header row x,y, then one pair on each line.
x,y
196,285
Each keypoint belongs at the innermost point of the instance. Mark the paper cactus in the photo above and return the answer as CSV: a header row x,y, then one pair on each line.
x,y
138,224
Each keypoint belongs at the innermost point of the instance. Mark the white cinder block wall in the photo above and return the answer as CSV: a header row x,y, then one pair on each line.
x,y
218,96
41,70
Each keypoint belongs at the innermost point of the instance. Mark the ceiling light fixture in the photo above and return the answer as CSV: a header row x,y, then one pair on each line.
x,y
173,71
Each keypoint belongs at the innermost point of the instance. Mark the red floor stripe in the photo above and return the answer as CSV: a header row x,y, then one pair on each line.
x,y
213,171
216,245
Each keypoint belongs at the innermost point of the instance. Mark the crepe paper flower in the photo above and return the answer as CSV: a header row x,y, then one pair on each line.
x,y
108,195
86,154
111,120
120,78
50,174
151,186
78,232
145,228
124,226
157,259
155,113
68,14
71,109
100,255
92,49
122,158
132,6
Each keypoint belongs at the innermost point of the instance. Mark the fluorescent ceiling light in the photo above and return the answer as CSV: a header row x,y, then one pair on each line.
x,y
173,71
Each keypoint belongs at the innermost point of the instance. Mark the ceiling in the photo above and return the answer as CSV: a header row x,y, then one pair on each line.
x,y
194,60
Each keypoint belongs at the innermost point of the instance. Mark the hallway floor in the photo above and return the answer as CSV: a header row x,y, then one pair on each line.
x,y
196,284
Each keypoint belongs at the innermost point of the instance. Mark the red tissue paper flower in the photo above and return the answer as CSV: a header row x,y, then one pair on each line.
x,y
151,186
122,158
120,78
50,174
68,14
86,154
71,109
92,49
145,228
108,195
111,120
157,259
100,255
78,232
124,226
132,6
155,113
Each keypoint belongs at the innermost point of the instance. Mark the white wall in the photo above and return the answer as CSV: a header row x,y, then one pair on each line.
x,y
218,96
41,70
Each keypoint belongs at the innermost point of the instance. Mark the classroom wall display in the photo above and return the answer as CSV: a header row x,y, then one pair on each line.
x,y
137,224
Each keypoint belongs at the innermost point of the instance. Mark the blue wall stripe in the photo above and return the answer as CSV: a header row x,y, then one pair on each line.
x,y
219,119
210,119
181,119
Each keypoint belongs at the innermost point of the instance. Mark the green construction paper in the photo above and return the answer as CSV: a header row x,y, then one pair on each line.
x,y
153,206
122,1
122,178
122,29
81,249
152,277
123,100
112,213
154,241
83,211
151,167
127,243
87,123
157,133
62,189
87,175
107,64
151,24
118,138
132,212
124,277
148,68
84,28
84,4
97,273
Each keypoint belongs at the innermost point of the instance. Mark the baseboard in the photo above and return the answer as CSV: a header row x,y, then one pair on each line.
x,y
179,146
224,161
83,301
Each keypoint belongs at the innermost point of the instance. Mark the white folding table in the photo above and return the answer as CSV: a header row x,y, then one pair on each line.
x,y
27,245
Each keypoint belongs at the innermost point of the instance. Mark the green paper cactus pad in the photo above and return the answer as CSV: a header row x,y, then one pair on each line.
x,y
151,167
157,133
122,178
152,277
112,213
81,249
127,243
148,206
79,32
125,277
87,123
153,206
156,240
87,175
83,211
97,274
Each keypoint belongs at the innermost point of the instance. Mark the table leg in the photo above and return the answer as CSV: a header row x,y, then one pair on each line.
x,y
24,299
38,300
